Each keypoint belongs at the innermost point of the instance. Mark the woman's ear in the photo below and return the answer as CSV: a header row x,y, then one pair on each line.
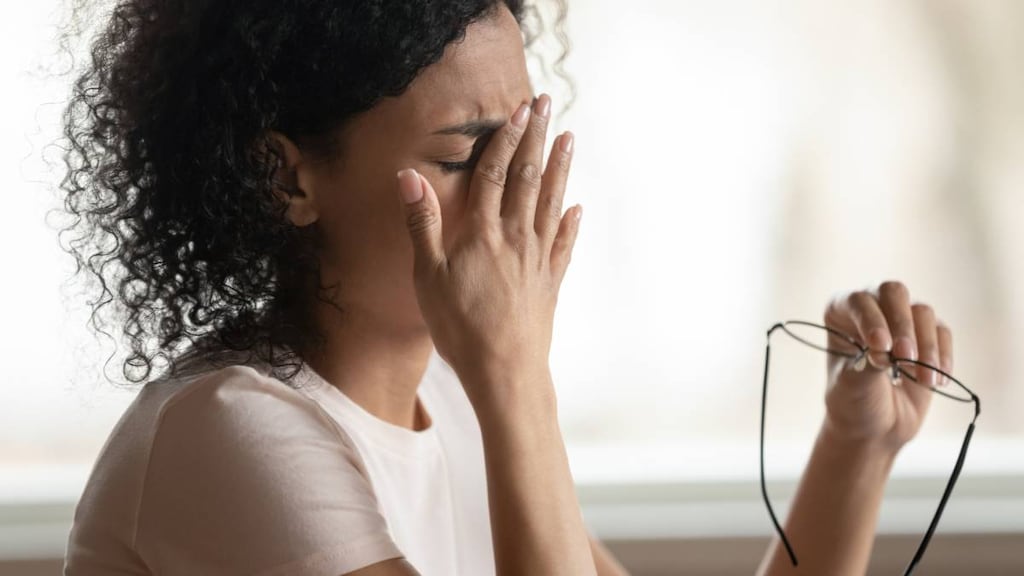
x,y
293,180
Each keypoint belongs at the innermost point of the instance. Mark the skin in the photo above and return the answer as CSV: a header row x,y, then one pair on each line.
x,y
472,267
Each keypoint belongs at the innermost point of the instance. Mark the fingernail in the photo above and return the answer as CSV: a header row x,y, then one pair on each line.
x,y
521,115
410,186
880,338
943,381
579,212
567,142
878,360
542,107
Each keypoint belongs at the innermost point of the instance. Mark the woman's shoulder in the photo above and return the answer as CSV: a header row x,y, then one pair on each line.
x,y
231,455
215,415
233,398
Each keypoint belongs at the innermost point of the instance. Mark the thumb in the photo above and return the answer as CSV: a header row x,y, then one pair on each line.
x,y
422,217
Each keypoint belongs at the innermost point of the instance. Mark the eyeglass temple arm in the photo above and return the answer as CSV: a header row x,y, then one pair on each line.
x,y
947,492
764,488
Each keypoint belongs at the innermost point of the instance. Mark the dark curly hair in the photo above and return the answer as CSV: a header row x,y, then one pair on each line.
x,y
168,182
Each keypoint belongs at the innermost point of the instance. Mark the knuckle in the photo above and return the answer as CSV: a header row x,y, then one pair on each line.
x,y
515,242
529,174
509,142
492,239
492,172
524,247
551,205
539,127
516,230
420,221
563,162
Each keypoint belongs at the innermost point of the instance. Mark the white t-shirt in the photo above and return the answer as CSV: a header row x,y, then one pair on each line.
x,y
231,471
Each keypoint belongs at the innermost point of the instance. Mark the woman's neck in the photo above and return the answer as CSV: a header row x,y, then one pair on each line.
x,y
376,365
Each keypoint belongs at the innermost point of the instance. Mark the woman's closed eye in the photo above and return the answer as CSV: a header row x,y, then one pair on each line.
x,y
453,166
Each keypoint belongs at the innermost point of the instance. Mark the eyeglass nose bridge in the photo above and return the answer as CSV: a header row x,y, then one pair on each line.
x,y
861,361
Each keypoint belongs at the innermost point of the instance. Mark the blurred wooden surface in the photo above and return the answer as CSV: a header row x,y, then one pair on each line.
x,y
948,555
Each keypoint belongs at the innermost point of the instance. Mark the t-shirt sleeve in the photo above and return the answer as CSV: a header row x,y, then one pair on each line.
x,y
249,476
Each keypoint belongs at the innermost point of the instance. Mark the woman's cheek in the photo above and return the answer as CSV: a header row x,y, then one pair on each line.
x,y
453,194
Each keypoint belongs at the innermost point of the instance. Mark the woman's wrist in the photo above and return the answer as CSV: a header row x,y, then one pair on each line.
x,y
511,397
880,451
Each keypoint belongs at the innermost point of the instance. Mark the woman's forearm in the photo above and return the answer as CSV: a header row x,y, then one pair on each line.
x,y
535,515
831,523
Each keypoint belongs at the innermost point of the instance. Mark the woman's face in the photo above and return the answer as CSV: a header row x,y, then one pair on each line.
x,y
442,119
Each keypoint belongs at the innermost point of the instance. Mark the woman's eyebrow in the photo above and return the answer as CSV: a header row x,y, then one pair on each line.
x,y
473,128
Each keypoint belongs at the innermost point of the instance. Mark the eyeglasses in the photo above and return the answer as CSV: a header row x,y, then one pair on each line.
x,y
834,342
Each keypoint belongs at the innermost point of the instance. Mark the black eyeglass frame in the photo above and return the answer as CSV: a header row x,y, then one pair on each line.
x,y
897,373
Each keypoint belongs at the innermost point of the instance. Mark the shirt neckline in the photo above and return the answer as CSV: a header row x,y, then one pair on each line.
x,y
393,438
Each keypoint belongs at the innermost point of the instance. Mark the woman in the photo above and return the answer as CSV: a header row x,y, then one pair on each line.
x,y
357,363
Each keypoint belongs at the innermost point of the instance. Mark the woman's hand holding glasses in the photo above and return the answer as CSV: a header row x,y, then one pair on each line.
x,y
865,399
886,358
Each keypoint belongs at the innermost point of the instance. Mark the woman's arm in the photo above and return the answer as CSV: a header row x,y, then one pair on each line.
x,y
535,515
831,524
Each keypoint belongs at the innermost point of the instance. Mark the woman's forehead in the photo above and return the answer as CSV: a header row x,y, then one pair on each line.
x,y
483,76
480,78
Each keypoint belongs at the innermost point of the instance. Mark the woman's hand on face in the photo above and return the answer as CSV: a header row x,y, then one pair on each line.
x,y
489,300
865,405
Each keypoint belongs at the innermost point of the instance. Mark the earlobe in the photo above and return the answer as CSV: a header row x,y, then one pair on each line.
x,y
290,180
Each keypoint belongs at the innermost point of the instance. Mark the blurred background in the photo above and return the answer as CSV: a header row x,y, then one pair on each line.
x,y
740,162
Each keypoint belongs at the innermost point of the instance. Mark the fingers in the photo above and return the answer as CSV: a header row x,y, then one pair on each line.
x,y
423,220
862,311
887,321
927,337
565,241
510,184
525,171
552,192
491,174
945,338
894,299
